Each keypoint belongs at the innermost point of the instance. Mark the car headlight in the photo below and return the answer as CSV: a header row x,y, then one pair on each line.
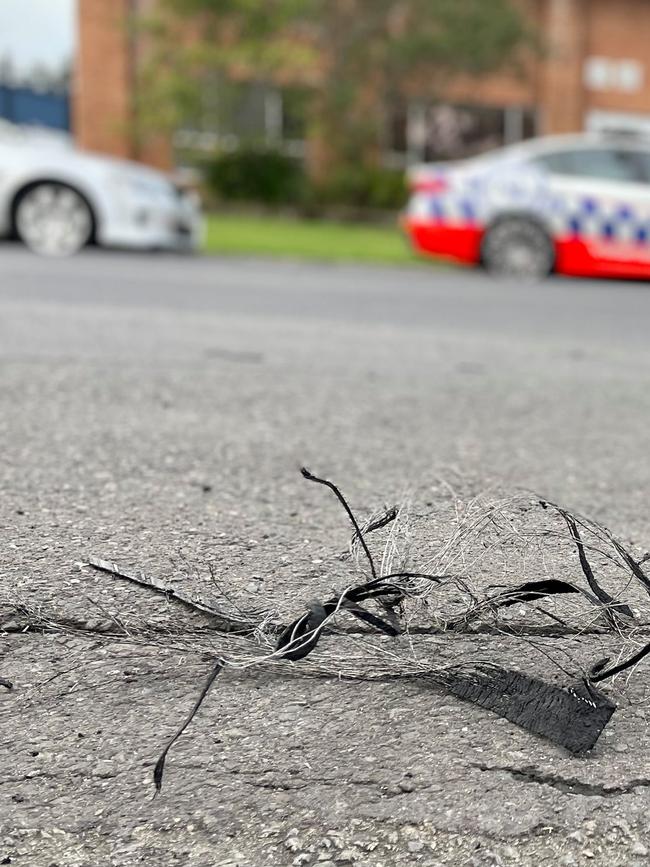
x,y
142,186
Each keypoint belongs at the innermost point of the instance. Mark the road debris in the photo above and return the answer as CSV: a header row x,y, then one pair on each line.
x,y
226,622
441,600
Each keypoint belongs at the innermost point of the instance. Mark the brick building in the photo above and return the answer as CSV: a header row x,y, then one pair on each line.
x,y
594,73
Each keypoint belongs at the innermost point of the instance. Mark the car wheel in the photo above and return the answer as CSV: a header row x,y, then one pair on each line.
x,y
53,220
517,248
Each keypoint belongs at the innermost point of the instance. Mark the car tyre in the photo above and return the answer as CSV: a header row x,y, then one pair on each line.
x,y
53,220
518,248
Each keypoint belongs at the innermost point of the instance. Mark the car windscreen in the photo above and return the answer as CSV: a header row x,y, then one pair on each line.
x,y
604,164
641,160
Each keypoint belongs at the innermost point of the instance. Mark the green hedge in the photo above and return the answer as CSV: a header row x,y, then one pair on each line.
x,y
271,178
255,176
361,187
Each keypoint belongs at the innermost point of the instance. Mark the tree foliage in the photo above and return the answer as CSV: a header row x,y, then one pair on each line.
x,y
356,55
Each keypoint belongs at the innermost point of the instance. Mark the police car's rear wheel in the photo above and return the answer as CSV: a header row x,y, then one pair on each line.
x,y
517,248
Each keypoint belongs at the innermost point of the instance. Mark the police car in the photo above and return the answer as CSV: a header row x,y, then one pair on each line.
x,y
576,204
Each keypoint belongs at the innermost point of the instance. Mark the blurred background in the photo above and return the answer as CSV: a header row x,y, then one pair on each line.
x,y
295,123
314,110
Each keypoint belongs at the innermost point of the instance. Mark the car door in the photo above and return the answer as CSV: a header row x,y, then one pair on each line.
x,y
600,210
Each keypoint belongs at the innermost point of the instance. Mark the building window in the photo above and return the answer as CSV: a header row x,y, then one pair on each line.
x,y
422,133
240,114
607,74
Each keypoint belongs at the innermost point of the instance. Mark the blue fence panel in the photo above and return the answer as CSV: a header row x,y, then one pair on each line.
x,y
24,105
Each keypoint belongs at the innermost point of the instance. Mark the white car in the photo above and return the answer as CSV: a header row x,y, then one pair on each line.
x,y
57,199
574,204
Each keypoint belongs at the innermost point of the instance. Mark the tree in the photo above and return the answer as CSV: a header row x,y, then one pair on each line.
x,y
357,55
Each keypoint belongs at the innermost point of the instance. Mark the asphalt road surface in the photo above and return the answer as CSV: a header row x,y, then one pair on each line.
x,y
155,411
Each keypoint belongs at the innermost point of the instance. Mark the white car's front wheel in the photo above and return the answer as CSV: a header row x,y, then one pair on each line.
x,y
53,220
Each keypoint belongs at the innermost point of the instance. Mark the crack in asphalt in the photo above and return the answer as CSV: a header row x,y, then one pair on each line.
x,y
107,628
251,778
567,785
